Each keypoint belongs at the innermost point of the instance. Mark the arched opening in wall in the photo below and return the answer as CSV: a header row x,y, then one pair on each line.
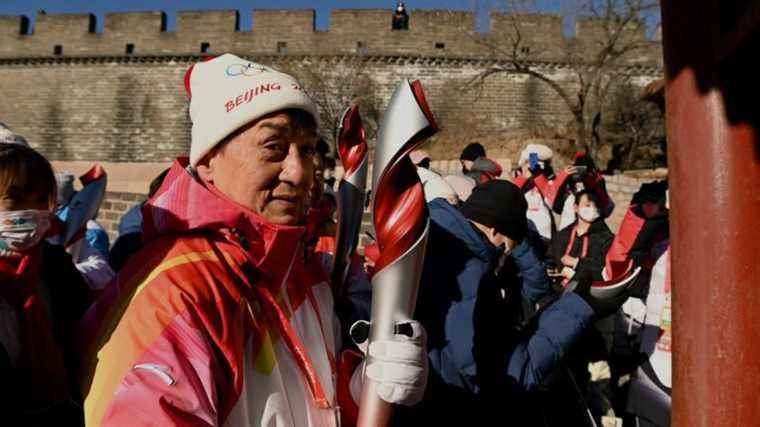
x,y
164,22
130,48
282,48
440,45
237,20
25,26
92,26
58,50
205,47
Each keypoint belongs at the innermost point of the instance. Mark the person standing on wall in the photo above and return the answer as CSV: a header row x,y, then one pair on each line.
x,y
400,17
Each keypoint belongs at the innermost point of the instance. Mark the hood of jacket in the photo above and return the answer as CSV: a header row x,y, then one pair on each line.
x,y
184,205
450,219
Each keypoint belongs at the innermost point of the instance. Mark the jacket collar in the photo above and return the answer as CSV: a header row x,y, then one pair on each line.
x,y
597,226
184,205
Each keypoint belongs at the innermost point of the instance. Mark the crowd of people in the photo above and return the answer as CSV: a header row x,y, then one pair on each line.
x,y
214,305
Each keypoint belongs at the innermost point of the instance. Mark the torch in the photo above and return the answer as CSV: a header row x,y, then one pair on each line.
x,y
82,208
352,149
401,224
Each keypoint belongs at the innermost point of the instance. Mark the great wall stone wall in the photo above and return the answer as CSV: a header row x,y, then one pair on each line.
x,y
117,97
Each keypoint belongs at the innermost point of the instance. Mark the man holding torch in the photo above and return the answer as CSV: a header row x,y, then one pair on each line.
x,y
222,318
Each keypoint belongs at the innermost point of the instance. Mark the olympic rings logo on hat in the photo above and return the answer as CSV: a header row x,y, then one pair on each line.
x,y
249,69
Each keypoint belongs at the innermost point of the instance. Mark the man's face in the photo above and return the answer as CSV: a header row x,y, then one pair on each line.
x,y
268,168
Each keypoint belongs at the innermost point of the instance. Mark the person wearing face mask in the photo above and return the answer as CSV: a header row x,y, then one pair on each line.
x,y
582,175
584,243
482,361
42,297
224,316
580,249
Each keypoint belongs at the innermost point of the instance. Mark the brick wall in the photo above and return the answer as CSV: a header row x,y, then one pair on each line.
x,y
135,109
95,102
100,111
113,208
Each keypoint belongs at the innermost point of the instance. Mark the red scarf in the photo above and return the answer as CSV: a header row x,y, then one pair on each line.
x,y
40,368
569,248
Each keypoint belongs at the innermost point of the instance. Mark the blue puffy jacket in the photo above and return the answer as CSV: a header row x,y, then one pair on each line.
x,y
472,344
94,234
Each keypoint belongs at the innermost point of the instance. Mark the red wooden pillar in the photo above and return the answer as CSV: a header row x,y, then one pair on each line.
x,y
712,105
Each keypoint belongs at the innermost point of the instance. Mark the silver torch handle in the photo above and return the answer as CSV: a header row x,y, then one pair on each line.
x,y
401,221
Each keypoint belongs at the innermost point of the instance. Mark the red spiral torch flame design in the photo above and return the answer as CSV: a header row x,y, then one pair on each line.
x,y
95,173
352,141
400,212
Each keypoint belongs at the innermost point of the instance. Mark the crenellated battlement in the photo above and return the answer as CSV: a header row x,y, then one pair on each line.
x,y
432,33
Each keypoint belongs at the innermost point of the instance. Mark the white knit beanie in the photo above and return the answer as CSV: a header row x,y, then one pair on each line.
x,y
8,137
544,153
228,92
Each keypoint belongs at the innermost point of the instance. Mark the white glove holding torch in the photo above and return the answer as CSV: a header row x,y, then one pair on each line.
x,y
399,366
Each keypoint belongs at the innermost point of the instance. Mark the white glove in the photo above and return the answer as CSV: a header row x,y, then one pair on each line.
x,y
92,263
399,366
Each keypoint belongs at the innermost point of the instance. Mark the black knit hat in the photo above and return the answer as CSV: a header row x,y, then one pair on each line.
x,y
472,152
498,204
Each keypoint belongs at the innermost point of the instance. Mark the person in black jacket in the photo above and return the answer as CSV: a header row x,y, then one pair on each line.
x,y
583,245
42,299
580,250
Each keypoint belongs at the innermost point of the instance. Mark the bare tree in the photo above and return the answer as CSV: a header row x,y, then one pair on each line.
x,y
334,83
635,128
595,66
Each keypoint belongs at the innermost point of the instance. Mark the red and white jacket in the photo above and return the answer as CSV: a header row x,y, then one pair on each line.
x,y
546,197
221,319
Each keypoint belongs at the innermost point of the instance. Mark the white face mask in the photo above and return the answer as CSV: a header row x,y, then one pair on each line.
x,y
588,213
22,230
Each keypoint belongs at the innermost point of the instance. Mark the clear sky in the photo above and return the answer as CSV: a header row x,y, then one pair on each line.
x,y
323,7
